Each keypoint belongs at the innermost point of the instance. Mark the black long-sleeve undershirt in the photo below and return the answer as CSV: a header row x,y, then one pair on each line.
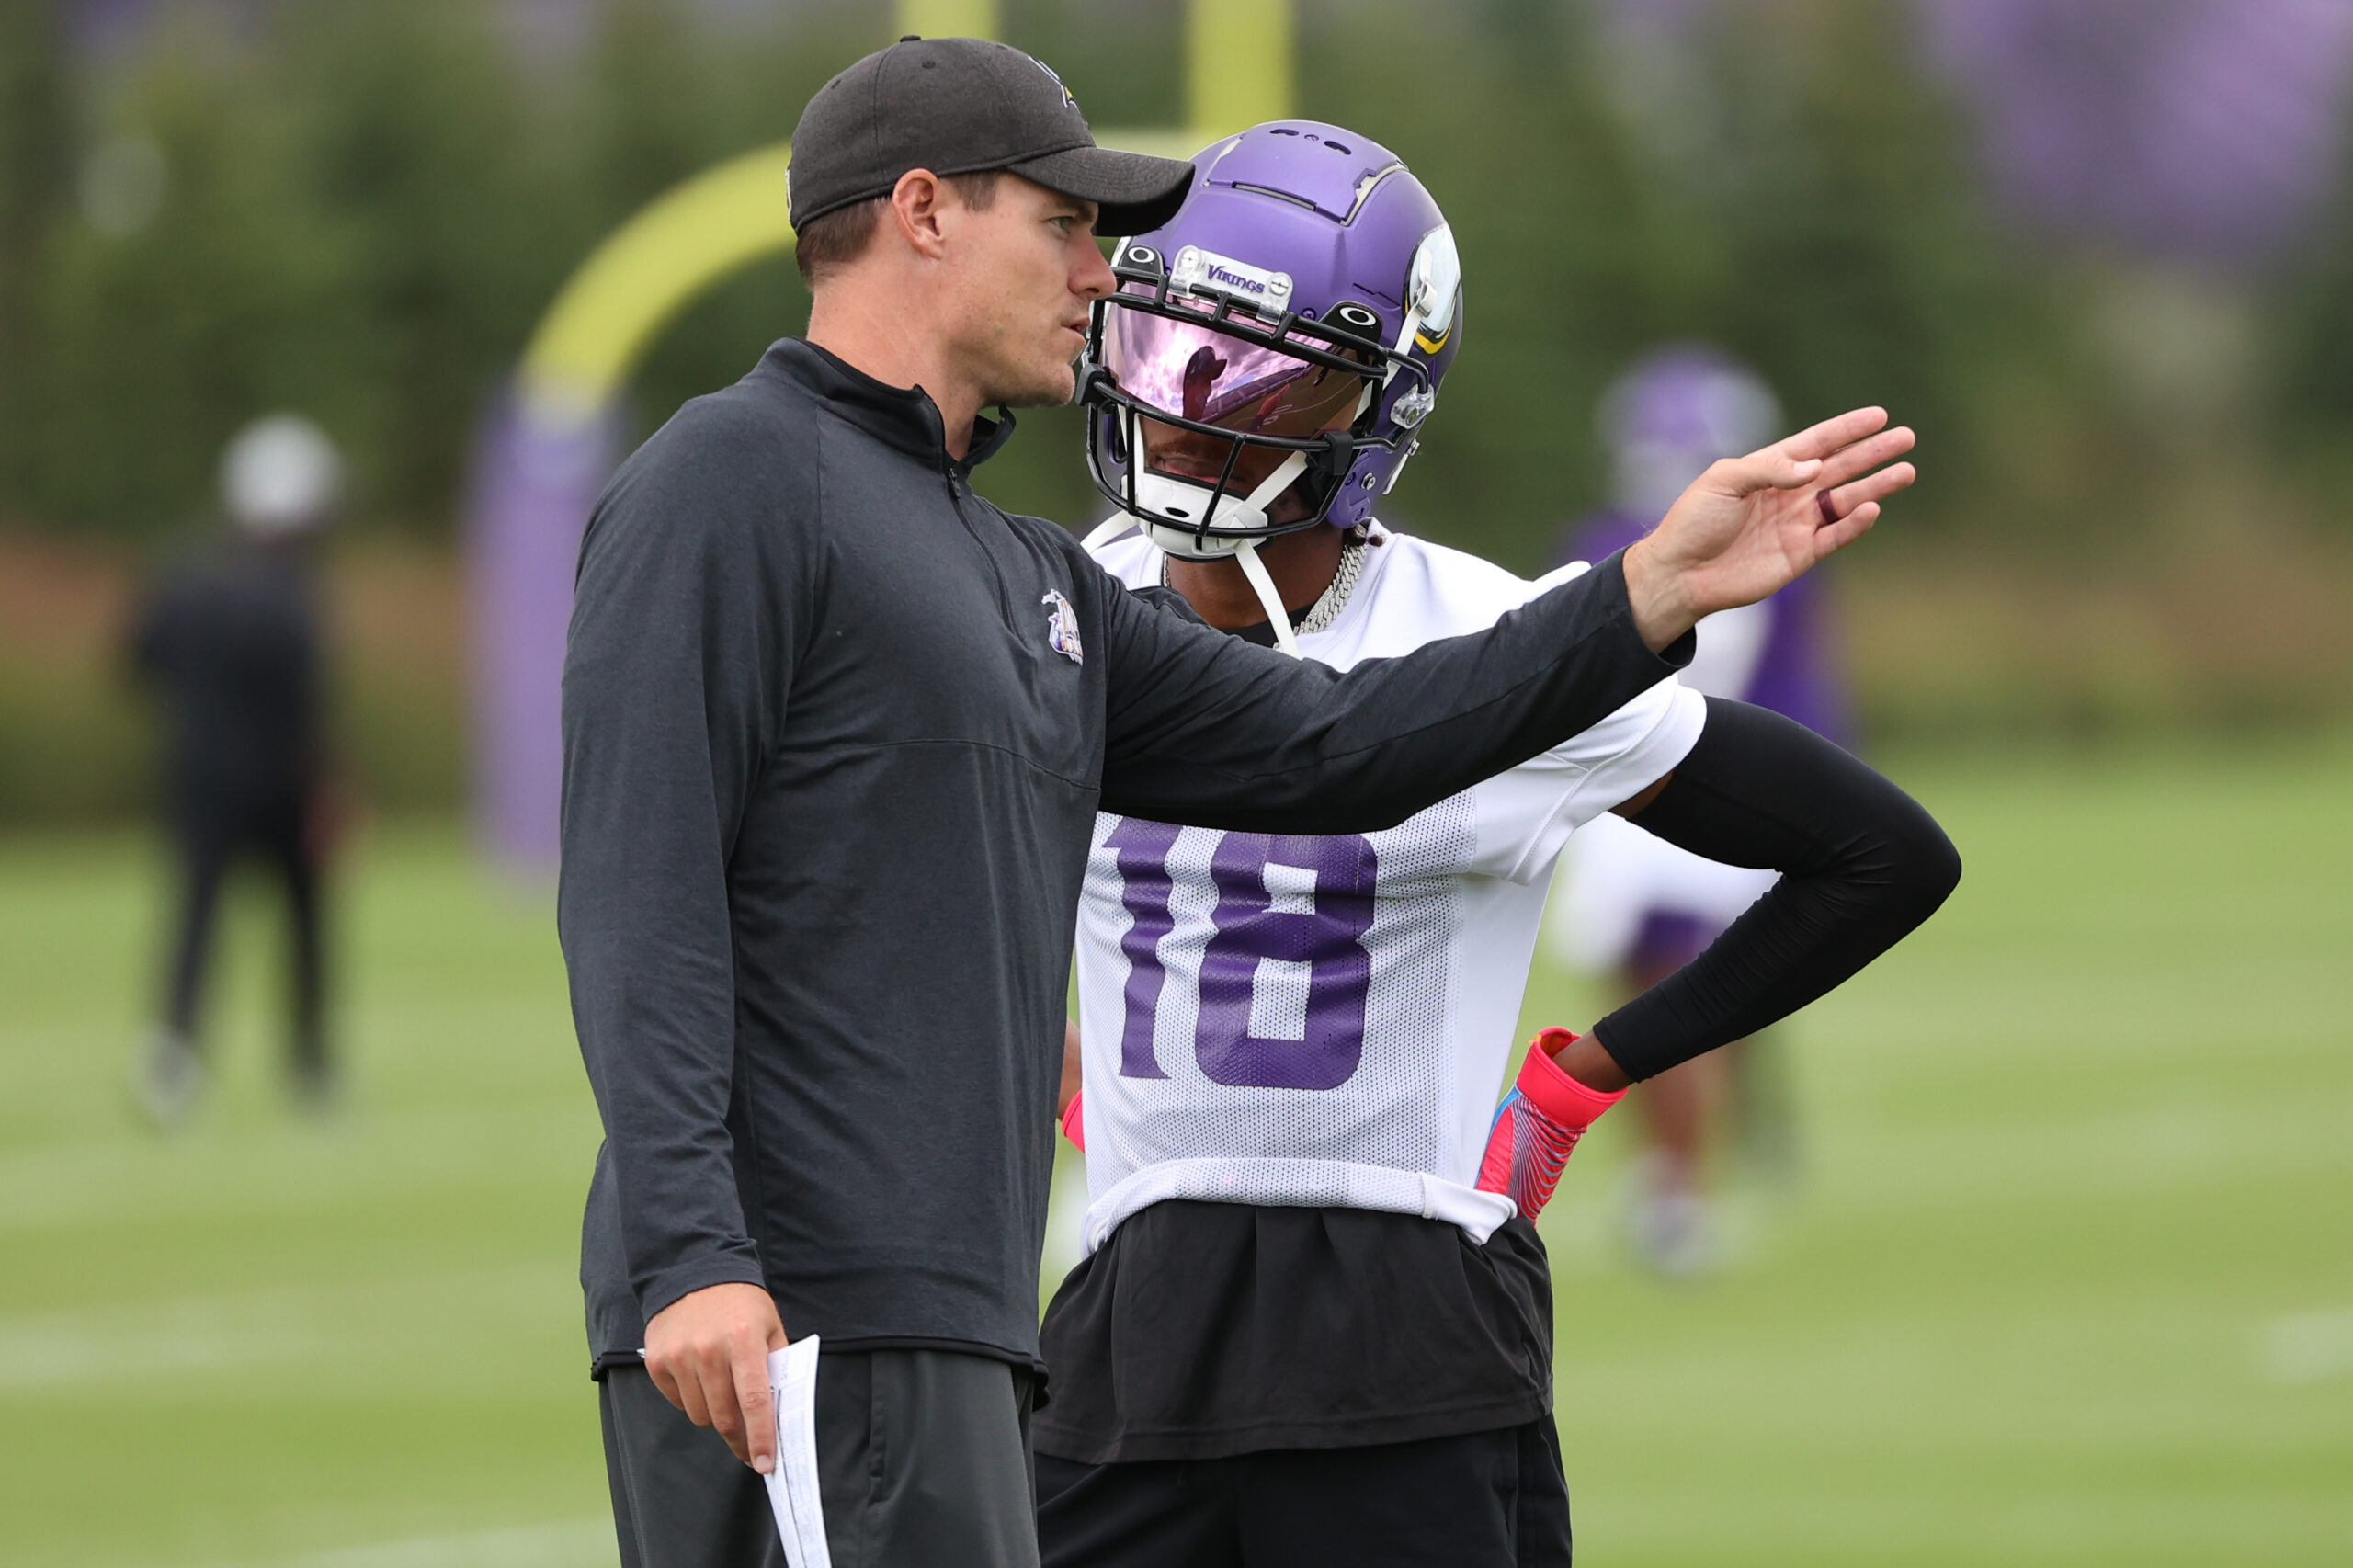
x,y
1861,864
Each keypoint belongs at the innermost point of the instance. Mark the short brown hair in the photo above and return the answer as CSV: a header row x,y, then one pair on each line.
x,y
834,239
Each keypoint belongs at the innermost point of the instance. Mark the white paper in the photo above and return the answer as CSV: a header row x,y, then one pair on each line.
x,y
793,1485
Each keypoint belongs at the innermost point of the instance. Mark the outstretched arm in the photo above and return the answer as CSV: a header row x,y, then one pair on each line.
x,y
1208,730
1861,866
1205,729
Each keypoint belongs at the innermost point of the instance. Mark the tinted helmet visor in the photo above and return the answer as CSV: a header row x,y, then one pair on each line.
x,y
1199,373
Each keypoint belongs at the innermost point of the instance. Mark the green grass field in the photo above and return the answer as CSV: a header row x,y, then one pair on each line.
x,y
2067,1277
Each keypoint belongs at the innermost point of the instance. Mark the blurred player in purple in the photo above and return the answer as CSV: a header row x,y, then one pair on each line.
x,y
1630,904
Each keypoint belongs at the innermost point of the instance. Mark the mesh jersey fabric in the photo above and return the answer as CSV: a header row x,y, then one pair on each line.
x,y
1272,1019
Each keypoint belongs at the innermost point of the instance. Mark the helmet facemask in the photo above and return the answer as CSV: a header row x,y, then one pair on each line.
x,y
1213,419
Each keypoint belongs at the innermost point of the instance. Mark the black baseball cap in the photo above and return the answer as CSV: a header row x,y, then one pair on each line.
x,y
959,105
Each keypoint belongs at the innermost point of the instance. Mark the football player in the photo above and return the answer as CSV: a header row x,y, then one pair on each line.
x,y
1307,1330
1633,907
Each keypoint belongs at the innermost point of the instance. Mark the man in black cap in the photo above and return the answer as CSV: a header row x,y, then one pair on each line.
x,y
836,732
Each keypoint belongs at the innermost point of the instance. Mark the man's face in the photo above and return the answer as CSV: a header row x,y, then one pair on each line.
x,y
1021,275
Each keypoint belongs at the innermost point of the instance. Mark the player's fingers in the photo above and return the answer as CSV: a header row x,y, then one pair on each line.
x,y
1839,430
1832,538
1873,487
1862,456
759,1405
1771,468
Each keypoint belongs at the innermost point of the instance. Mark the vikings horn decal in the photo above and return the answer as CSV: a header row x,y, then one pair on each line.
x,y
1433,288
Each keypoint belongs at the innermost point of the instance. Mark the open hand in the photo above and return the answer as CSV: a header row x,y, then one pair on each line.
x,y
1751,525
708,1352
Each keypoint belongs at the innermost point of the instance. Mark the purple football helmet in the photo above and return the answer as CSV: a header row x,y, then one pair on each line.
x,y
1284,335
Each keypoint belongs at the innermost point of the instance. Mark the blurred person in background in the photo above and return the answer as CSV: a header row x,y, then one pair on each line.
x,y
1637,908
229,644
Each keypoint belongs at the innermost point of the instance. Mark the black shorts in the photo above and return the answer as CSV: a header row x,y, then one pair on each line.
x,y
1481,1500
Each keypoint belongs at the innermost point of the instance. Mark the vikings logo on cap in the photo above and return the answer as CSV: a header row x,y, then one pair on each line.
x,y
1058,81
1062,628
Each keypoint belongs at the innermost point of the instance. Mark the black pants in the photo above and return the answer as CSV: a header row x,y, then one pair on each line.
x,y
214,834
922,1460
1481,1500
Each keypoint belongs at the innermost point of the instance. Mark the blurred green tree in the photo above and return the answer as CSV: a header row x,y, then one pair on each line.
x,y
2309,336
36,159
416,157
361,209
652,104
185,296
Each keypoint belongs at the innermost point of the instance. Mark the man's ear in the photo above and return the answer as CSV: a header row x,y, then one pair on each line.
x,y
916,203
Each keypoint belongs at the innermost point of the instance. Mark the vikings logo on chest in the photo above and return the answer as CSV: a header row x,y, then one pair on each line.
x,y
1062,628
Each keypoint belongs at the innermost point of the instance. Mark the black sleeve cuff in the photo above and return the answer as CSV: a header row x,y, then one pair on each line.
x,y
1676,655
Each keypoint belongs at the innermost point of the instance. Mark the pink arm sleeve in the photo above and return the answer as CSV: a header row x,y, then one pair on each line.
x,y
1538,1127
1074,1120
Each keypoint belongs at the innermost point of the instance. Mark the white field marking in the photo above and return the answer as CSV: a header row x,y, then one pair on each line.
x,y
113,1180
342,1320
179,1337
584,1543
2162,1149
2306,1348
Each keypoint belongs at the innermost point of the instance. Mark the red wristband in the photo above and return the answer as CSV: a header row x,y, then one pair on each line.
x,y
1552,1091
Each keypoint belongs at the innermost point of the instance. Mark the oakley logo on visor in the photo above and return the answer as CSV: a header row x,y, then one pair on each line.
x,y
1197,269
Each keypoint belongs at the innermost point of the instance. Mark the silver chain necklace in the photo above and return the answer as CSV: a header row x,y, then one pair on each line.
x,y
1335,597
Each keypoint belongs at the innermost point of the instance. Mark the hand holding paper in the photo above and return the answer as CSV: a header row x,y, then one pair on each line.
x,y
708,1351
793,1484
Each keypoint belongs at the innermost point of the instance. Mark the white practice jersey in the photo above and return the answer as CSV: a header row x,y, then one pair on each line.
x,y
1616,876
1285,1019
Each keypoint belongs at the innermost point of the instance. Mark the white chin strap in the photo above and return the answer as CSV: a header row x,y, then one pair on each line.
x,y
1159,496
1246,552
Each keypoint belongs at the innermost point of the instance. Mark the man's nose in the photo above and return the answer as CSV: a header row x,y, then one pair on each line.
x,y
1092,279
